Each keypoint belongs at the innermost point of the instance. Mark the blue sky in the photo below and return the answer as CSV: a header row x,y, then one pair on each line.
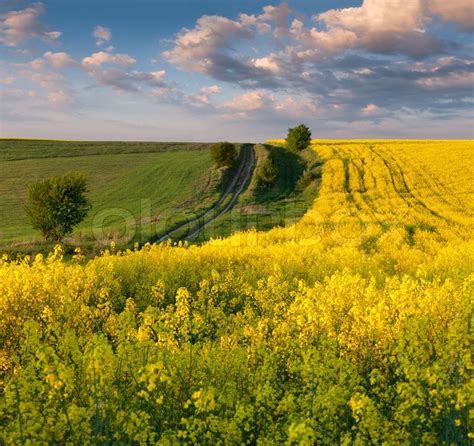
x,y
241,70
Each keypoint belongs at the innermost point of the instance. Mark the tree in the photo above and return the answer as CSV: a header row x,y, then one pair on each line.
x,y
57,204
267,173
224,154
298,138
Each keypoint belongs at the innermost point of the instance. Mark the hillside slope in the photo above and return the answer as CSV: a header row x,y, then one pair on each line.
x,y
136,189
282,202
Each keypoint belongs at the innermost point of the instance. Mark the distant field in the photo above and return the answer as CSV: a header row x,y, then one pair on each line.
x,y
147,184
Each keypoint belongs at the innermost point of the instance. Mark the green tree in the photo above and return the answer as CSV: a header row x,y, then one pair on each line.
x,y
57,204
224,154
267,173
298,138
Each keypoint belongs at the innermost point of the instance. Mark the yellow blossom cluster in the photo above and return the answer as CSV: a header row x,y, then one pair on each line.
x,y
352,326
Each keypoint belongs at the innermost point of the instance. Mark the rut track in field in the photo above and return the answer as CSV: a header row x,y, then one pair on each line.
x,y
241,183
234,190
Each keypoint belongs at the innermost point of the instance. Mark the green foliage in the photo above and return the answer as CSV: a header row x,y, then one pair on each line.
x,y
298,138
267,173
57,204
267,170
224,154
153,184
278,203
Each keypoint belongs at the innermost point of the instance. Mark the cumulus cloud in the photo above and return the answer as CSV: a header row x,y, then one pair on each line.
x,y
296,107
97,59
364,63
7,80
60,99
460,12
50,87
102,35
379,26
349,63
36,64
270,63
18,26
384,27
174,96
253,100
213,89
457,80
278,16
59,60
370,109
128,81
257,100
195,49
113,70
376,27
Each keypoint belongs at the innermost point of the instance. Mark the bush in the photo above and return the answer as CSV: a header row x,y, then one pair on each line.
x,y
224,154
298,138
267,173
57,204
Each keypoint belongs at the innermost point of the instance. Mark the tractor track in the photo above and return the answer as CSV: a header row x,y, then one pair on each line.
x,y
235,188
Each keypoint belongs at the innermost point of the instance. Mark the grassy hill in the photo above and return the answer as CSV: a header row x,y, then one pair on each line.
x,y
281,203
136,189
141,190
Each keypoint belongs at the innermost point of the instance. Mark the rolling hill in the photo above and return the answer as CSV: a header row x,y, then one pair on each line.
x,y
351,326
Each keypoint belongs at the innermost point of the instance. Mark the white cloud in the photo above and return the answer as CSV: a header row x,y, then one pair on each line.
x,y
264,102
460,12
295,107
117,74
59,60
158,75
385,26
269,63
101,57
370,109
36,64
19,26
60,99
51,87
173,95
48,80
8,80
213,89
454,80
246,102
195,48
276,15
379,26
251,20
102,34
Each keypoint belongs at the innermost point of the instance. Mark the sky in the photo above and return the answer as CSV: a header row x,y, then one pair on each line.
x,y
243,70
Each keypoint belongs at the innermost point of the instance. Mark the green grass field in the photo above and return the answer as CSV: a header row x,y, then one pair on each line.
x,y
136,189
140,191
281,204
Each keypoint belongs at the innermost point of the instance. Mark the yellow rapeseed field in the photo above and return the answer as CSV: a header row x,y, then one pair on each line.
x,y
352,326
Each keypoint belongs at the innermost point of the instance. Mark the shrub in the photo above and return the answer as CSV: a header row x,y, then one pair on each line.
x,y
298,138
267,173
224,154
57,204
